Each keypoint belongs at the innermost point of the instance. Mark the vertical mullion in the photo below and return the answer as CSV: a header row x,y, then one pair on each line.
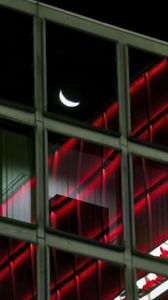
x,y
39,152
132,202
41,270
40,188
124,121
123,91
48,272
39,156
47,215
44,66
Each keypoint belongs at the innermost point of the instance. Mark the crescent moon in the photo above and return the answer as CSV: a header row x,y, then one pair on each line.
x,y
66,101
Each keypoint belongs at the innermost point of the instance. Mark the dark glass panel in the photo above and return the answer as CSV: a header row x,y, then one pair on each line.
x,y
81,73
16,58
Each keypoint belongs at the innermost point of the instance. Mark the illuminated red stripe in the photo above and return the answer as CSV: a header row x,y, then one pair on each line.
x,y
159,67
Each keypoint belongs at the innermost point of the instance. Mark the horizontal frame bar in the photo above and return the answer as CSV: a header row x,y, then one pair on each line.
x,y
89,25
27,6
148,152
18,231
146,264
17,115
101,29
85,249
82,133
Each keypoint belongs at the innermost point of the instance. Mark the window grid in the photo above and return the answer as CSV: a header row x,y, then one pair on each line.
x,y
42,124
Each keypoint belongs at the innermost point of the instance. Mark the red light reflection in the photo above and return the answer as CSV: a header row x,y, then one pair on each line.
x,y
15,266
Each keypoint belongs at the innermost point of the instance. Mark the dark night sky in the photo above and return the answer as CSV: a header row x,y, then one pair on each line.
x,y
150,20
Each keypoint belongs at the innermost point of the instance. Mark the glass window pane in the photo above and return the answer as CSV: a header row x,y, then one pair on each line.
x,y
16,58
75,277
151,286
17,178
151,206
17,269
81,77
149,95
85,189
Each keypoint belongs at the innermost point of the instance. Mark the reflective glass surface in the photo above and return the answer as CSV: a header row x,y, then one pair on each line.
x,y
17,179
85,189
151,206
149,97
75,277
17,269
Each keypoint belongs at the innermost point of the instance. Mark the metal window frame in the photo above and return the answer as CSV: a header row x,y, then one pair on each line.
x,y
38,234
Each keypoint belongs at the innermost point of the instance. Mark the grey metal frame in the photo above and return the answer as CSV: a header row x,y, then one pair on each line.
x,y
42,124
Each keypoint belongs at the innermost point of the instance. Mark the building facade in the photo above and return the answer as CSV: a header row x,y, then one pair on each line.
x,y
84,153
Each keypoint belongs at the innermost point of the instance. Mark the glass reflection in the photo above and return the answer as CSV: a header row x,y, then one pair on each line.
x,y
150,180
85,189
17,269
17,180
75,277
149,95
